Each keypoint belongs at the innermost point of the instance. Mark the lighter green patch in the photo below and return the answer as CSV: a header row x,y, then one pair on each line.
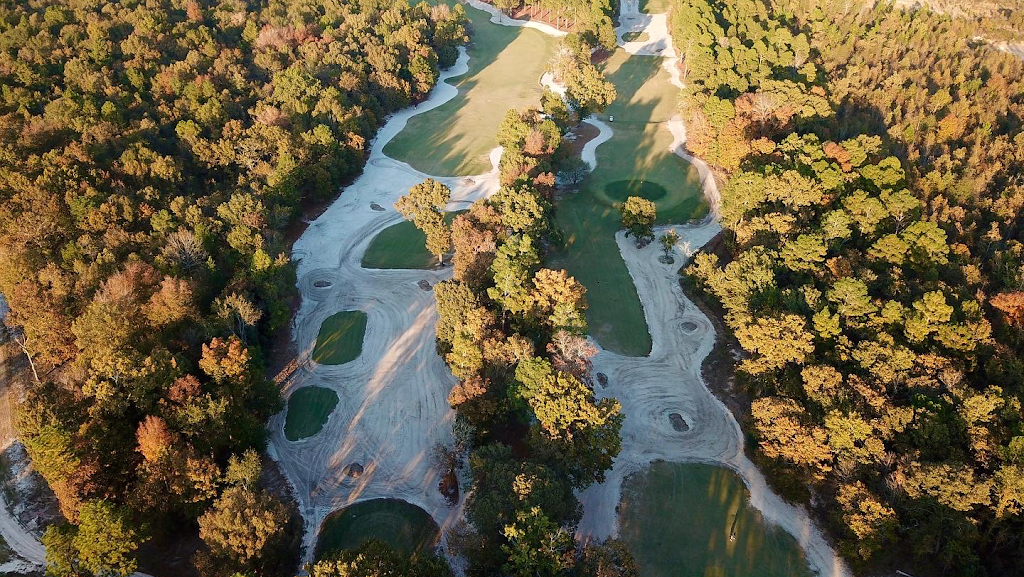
x,y
402,525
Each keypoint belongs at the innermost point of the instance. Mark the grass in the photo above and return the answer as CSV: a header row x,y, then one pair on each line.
x,y
635,161
402,525
635,37
341,338
505,67
308,410
655,6
678,518
402,245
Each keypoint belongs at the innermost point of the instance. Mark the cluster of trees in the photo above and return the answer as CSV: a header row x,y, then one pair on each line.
x,y
152,154
590,20
873,272
514,333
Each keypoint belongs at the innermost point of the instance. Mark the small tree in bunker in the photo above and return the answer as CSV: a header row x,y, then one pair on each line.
x,y
638,215
424,206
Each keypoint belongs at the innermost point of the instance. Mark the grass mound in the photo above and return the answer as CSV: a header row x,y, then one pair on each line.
x,y
403,246
308,410
402,525
455,138
694,520
635,37
341,338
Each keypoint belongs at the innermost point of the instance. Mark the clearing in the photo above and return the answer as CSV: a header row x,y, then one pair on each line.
x,y
695,520
341,338
400,524
637,160
308,410
455,138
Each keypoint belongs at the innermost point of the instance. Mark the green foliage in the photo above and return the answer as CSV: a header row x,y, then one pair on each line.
x,y
376,559
638,216
103,543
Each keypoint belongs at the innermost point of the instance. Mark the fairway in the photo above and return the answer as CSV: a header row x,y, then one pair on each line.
x,y
455,138
695,520
402,245
635,161
341,338
308,410
402,525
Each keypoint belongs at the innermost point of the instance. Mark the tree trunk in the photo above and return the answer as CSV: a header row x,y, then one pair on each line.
x,y
23,343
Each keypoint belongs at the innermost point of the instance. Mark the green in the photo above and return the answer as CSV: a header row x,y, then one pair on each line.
x,y
402,525
341,338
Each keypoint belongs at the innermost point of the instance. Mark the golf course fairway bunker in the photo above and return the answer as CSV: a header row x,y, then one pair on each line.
x,y
636,160
402,525
695,520
308,411
402,246
454,139
340,339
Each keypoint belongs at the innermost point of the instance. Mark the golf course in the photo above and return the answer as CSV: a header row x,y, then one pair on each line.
x,y
636,161
308,410
671,505
402,525
454,139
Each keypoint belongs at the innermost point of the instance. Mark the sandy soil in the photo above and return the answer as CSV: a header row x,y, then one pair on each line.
x,y
669,380
392,399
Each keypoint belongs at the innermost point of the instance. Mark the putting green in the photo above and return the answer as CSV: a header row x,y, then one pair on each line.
x,y
636,160
505,67
402,525
341,338
694,520
402,245
308,410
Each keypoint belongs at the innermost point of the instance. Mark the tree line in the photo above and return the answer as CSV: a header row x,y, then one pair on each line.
x,y
872,271
153,155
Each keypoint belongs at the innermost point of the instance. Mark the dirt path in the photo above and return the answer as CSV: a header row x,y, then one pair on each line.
x,y
669,380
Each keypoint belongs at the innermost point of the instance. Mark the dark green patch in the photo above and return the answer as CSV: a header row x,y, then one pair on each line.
x,y
694,520
341,338
308,411
620,190
402,525
403,246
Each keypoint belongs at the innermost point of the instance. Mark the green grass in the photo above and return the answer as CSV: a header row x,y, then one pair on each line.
x,y
635,161
308,410
402,525
636,37
505,67
341,338
402,245
677,519
655,6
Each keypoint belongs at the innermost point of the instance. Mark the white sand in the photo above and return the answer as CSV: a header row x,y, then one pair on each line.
x,y
669,380
498,17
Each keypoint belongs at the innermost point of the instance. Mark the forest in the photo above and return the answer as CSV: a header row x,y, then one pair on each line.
x,y
872,265
155,154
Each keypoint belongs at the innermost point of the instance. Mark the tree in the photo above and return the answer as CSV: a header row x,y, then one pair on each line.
x,y
246,530
102,544
669,240
638,216
536,546
611,558
375,558
424,206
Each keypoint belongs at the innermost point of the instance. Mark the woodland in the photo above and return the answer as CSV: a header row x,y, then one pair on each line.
x,y
872,265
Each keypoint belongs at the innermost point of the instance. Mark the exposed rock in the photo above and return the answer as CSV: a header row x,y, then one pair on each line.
x,y
376,207
678,423
602,379
355,470
425,285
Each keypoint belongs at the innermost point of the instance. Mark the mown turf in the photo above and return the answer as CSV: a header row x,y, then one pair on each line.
x,y
308,411
655,6
636,160
341,338
402,525
505,67
678,518
402,245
